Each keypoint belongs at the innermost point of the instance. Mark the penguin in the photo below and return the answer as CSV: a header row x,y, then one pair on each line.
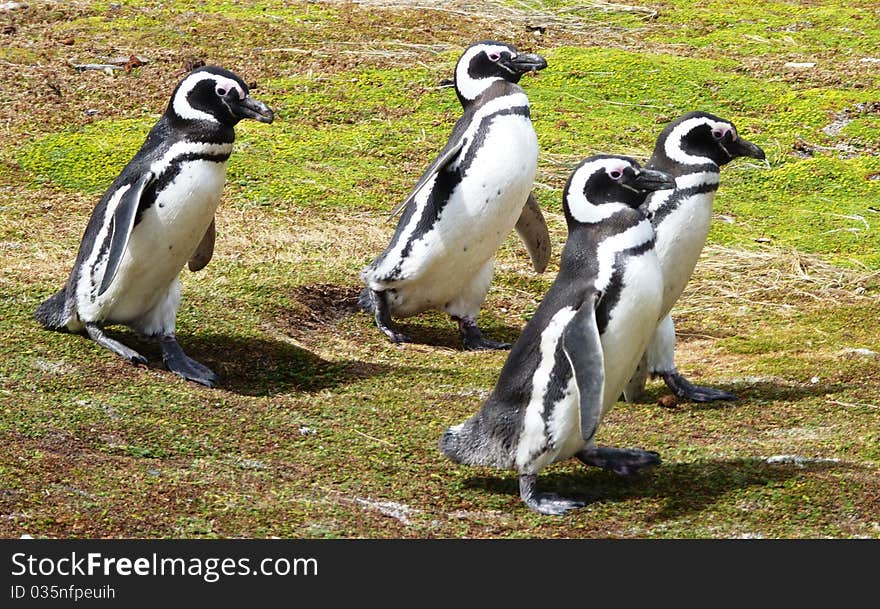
x,y
692,148
576,353
155,217
465,204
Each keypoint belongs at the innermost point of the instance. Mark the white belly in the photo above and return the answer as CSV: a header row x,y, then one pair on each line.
x,y
680,239
631,325
162,242
480,213
625,338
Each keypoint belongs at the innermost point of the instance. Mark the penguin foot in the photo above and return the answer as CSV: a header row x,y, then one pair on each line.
x,y
683,388
473,338
97,335
623,461
544,503
184,366
377,303
396,337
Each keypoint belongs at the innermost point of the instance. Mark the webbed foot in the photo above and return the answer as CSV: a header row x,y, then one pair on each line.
x,y
683,388
97,335
473,338
544,503
623,461
184,366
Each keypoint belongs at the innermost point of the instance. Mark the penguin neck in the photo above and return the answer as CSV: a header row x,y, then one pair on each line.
x,y
197,130
498,88
660,161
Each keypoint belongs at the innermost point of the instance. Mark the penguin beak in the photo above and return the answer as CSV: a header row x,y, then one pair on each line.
x,y
251,108
741,147
526,62
651,180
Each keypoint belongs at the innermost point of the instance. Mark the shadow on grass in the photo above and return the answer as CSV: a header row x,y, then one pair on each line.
x,y
685,487
446,334
744,392
257,366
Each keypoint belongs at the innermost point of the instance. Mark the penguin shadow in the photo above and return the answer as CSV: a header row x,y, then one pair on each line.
x,y
259,366
685,488
744,391
319,307
438,330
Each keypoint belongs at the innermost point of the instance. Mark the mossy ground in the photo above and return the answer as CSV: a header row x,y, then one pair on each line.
x,y
320,427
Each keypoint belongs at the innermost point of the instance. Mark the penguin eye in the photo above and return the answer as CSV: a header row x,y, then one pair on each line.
x,y
719,133
221,91
615,174
494,56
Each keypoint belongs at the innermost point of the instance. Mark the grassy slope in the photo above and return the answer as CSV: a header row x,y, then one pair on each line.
x,y
322,428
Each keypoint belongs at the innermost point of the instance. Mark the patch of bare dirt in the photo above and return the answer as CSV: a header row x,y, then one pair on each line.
x,y
318,308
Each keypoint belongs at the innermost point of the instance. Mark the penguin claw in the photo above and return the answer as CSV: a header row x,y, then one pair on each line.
x,y
683,388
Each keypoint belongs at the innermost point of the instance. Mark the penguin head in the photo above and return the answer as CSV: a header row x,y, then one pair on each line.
x,y
216,95
486,62
699,138
602,184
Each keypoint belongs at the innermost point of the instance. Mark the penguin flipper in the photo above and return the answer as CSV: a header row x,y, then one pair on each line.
x,y
532,229
205,250
122,223
450,151
583,348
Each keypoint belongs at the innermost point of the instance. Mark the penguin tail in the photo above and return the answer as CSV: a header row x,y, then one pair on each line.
x,y
365,301
52,314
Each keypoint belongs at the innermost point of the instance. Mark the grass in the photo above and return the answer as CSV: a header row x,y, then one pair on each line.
x,y
320,427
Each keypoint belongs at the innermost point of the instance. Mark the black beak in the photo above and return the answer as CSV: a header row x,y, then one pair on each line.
x,y
651,180
741,147
251,108
526,62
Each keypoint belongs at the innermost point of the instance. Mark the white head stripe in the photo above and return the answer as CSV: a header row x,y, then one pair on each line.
x,y
583,210
181,104
469,87
672,146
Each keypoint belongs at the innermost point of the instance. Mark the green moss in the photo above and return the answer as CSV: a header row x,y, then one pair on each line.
x,y
86,159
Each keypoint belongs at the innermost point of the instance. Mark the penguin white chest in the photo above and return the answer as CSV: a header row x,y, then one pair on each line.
x,y
680,239
630,327
164,239
631,323
479,214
